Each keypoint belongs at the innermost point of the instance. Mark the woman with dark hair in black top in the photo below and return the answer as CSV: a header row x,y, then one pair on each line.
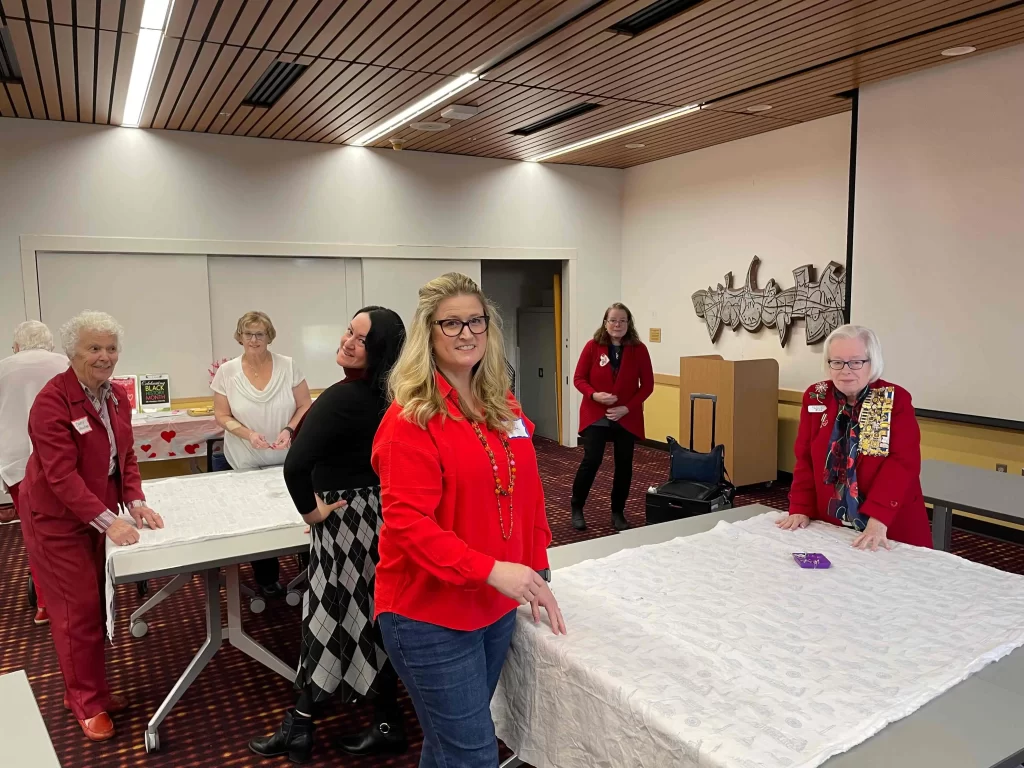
x,y
336,491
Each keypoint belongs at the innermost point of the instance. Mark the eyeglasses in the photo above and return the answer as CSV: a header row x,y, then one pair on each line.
x,y
616,322
250,336
855,365
452,327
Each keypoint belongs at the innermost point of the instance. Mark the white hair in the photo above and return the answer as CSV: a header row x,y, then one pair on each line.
x,y
33,335
88,320
871,344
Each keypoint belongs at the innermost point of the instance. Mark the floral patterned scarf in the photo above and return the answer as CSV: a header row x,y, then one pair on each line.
x,y
841,464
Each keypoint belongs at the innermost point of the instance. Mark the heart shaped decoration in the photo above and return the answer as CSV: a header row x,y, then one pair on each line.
x,y
191,449
145,447
171,453
152,455
168,435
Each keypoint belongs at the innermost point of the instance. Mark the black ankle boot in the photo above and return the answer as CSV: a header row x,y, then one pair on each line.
x,y
379,739
294,738
619,521
578,522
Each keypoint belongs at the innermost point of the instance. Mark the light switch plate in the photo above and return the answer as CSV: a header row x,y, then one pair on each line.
x,y
1000,467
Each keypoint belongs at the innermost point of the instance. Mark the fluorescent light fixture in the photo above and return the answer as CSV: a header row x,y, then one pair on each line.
x,y
425,104
662,118
960,50
759,108
151,34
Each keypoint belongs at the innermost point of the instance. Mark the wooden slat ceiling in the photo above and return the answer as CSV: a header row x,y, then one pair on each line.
x,y
369,59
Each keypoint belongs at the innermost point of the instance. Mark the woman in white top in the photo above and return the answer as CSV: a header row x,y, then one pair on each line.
x,y
259,398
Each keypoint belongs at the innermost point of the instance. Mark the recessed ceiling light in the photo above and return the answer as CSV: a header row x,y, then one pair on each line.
x,y
224,114
635,146
429,126
759,108
960,50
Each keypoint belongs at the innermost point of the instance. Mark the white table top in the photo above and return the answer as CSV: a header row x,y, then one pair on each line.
x,y
976,724
26,744
970,489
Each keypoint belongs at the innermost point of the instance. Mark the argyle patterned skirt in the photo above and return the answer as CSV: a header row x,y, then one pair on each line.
x,y
342,650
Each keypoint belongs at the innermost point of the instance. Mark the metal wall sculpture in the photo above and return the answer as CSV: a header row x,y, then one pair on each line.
x,y
819,304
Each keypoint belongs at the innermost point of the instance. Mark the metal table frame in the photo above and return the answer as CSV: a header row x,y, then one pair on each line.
x,y
995,495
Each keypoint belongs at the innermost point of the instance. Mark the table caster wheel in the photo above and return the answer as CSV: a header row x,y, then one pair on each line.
x,y
257,605
139,628
293,597
152,742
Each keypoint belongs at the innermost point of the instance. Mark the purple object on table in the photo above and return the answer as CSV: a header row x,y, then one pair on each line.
x,y
814,560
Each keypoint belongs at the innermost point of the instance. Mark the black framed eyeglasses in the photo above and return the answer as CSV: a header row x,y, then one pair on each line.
x,y
452,327
855,365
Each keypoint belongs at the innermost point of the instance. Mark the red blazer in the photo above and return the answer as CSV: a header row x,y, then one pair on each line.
x,y
67,471
633,384
441,535
889,482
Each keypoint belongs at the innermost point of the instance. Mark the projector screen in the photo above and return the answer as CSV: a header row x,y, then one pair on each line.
x,y
938,262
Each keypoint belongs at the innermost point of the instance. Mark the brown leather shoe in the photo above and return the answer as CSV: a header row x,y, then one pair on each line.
x,y
99,728
115,704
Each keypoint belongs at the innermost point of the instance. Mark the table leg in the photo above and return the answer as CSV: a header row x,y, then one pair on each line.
x,y
237,636
942,528
168,589
214,638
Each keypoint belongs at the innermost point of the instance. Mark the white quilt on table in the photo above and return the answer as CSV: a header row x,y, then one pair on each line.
x,y
717,650
210,506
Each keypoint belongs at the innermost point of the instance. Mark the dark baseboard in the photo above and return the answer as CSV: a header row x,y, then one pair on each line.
x,y
784,478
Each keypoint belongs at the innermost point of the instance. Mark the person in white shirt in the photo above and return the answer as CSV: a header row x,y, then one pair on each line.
x,y
259,398
22,376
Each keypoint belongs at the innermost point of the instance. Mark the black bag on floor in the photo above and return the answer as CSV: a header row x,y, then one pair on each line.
x,y
698,483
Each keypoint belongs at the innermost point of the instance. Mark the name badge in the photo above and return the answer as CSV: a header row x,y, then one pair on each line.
x,y
817,408
82,425
518,430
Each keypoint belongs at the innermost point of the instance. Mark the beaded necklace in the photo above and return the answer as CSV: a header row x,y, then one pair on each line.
x,y
499,491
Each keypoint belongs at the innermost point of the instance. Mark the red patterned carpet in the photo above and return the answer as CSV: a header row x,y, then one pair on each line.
x,y
235,698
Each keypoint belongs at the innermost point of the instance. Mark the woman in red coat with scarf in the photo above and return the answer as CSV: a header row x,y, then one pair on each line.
x,y
614,374
858,451
82,471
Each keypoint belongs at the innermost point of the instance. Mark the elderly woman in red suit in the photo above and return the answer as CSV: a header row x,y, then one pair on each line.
x,y
81,471
858,451
614,374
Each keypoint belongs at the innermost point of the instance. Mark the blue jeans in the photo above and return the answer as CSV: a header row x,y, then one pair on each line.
x,y
451,676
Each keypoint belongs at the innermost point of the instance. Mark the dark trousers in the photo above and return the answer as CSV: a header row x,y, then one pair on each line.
x,y
450,676
265,572
594,439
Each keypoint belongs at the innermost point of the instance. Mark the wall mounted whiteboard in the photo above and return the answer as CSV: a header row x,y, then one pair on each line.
x,y
161,300
395,283
306,299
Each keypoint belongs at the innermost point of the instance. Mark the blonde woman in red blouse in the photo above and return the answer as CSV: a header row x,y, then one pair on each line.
x,y
465,534
614,374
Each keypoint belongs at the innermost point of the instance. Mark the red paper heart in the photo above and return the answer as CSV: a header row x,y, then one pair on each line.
x,y
190,449
152,455
168,436
145,447
171,453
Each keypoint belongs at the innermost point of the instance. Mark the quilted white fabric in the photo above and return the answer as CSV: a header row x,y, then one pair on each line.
x,y
717,650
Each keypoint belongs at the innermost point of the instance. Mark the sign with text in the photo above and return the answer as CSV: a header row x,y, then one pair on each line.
x,y
130,383
154,392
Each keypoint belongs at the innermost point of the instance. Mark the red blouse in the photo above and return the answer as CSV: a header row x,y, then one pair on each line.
x,y
888,468
441,534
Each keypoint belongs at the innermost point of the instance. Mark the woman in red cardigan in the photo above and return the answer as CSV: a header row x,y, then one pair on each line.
x,y
858,451
465,534
614,374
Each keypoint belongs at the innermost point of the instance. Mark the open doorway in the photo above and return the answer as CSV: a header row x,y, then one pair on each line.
x,y
525,292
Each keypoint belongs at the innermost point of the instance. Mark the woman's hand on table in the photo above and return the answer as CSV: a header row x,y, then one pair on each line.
x,y
123,533
873,537
546,599
793,522
284,439
258,441
516,581
143,514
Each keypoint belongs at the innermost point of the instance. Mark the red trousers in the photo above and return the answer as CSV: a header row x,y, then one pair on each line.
x,y
68,557
13,492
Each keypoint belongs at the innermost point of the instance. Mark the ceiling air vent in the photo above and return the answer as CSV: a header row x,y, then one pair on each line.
x,y
651,16
10,72
279,77
552,120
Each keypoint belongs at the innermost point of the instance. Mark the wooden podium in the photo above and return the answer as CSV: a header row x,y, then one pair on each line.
x,y
748,413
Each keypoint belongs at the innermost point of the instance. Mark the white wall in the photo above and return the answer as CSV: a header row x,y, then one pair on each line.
x,y
939,239
69,179
690,219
